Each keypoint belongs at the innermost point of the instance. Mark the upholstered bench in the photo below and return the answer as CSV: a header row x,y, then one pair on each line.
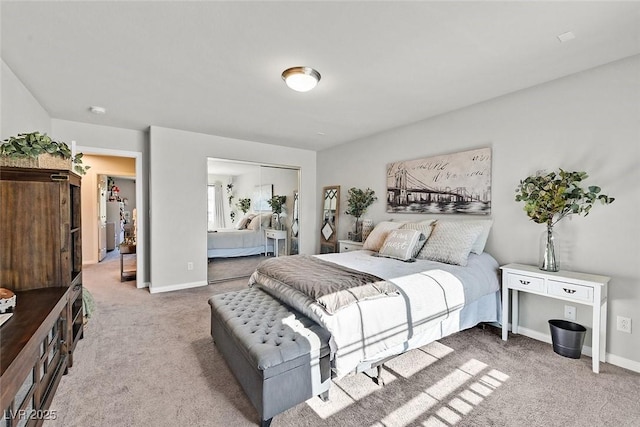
x,y
280,357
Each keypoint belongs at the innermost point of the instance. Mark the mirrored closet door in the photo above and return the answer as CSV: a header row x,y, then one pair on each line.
x,y
252,214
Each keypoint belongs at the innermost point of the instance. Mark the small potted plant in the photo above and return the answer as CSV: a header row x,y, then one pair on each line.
x,y
550,197
277,205
38,150
358,201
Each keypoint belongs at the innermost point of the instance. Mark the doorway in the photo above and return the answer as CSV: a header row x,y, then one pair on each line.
x,y
122,170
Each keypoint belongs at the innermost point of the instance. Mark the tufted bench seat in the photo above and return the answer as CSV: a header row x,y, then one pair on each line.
x,y
279,356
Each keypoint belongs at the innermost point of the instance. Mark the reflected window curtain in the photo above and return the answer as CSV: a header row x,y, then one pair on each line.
x,y
215,207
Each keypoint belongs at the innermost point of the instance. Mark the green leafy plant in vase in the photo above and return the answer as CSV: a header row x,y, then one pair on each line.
x,y
277,204
550,197
358,201
37,145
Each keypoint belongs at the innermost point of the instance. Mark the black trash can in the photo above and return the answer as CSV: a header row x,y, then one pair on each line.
x,y
567,338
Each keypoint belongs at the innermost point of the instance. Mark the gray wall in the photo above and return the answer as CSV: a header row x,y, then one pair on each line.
x,y
20,111
588,121
178,197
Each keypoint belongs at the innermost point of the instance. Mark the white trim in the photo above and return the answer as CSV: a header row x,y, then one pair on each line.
x,y
629,364
178,287
632,365
140,205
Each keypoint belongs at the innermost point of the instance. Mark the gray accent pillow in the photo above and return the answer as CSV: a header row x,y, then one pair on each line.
x,y
425,227
244,221
481,241
400,244
259,221
451,242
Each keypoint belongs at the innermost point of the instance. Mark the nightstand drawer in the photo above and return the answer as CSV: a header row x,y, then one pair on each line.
x,y
570,290
347,246
527,283
275,234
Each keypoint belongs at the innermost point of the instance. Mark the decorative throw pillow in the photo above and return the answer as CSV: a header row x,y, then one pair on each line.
x,y
244,221
255,223
400,244
451,242
376,238
481,241
425,227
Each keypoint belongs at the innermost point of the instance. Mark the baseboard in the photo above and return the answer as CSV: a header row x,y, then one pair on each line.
x,y
178,287
141,285
631,365
622,362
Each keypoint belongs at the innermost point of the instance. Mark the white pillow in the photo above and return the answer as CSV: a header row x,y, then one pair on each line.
x,y
400,244
425,227
266,219
451,242
481,241
379,234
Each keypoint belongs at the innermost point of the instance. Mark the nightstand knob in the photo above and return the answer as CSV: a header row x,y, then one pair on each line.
x,y
569,291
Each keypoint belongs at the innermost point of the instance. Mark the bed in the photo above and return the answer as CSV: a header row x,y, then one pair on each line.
x,y
397,307
247,238
227,243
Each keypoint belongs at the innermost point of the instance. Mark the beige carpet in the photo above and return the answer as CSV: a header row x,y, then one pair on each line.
x,y
148,360
221,269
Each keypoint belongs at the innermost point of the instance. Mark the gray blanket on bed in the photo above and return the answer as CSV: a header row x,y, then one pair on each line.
x,y
330,285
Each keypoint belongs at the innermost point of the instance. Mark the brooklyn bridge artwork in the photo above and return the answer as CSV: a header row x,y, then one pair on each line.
x,y
452,183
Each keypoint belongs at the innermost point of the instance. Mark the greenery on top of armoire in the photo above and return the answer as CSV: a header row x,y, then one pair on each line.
x,y
33,144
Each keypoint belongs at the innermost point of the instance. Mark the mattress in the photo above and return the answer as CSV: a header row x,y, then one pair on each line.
x,y
226,243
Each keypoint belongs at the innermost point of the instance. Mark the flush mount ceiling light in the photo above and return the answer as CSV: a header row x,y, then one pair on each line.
x,y
301,79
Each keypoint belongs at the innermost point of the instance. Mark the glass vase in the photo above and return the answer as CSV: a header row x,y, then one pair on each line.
x,y
277,224
549,250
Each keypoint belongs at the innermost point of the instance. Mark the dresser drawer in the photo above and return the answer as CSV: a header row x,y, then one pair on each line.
x,y
570,290
527,283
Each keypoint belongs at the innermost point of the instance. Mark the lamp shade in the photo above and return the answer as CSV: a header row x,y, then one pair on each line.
x,y
301,79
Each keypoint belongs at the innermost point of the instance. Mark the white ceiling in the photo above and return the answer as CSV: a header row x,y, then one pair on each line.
x,y
214,67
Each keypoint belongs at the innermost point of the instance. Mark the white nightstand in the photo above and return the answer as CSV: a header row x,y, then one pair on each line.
x,y
276,235
580,288
349,245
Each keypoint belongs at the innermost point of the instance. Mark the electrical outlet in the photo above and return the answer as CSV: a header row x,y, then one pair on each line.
x,y
624,324
569,312
189,266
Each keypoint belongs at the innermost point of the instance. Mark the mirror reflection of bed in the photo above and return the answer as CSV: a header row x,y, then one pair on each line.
x,y
239,215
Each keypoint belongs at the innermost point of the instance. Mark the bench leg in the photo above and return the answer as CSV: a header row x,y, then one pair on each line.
x,y
265,423
379,379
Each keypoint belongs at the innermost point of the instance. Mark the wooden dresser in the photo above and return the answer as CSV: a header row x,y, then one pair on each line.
x,y
41,261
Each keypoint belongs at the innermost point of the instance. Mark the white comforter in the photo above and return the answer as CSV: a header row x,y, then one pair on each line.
x,y
430,292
